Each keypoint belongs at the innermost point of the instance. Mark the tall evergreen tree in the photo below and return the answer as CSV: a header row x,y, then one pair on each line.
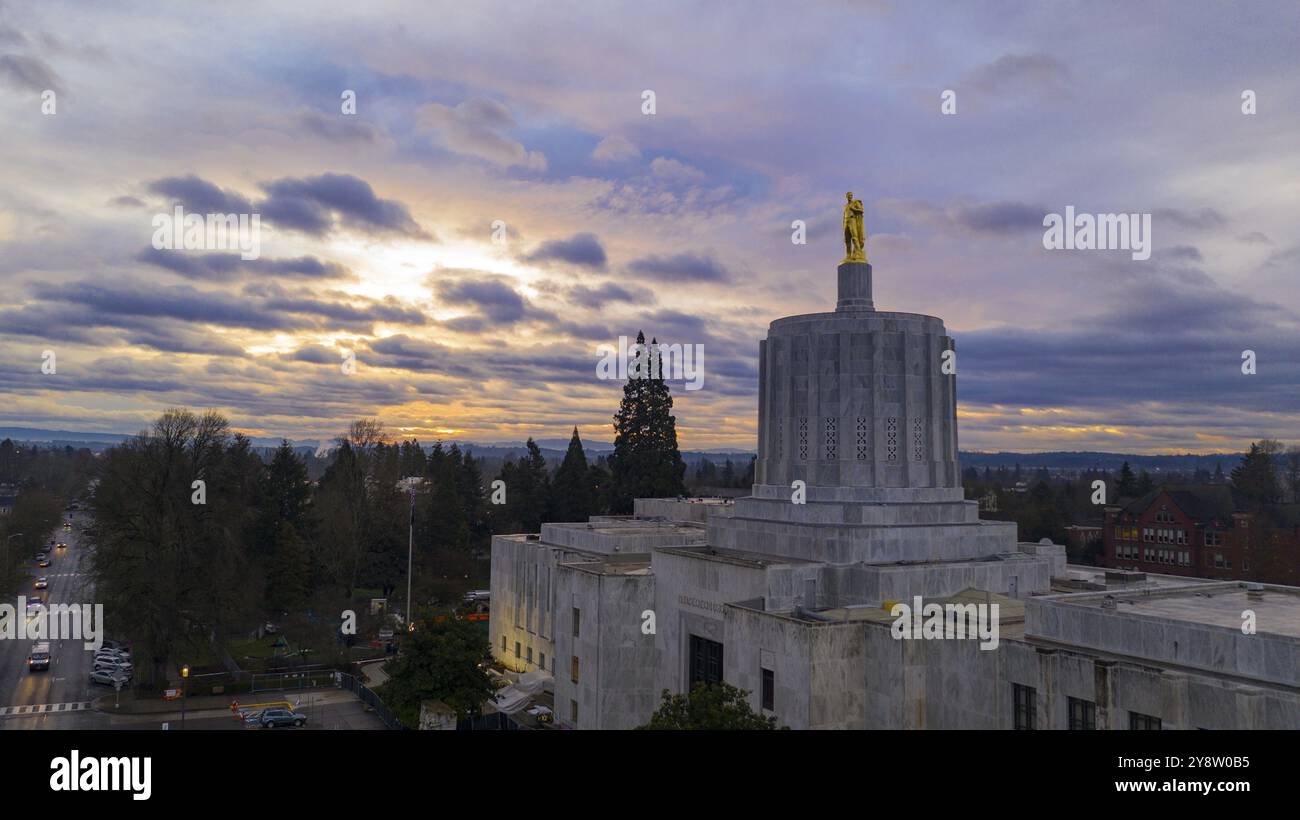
x,y
1127,485
528,492
572,488
448,527
1145,483
1256,476
646,462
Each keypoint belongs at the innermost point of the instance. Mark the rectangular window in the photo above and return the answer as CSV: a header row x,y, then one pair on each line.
x,y
577,621
573,711
542,656
503,643
1026,705
769,689
1083,714
705,661
517,649
573,669
530,654
1143,723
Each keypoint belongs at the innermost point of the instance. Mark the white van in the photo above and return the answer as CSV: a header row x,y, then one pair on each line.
x,y
40,656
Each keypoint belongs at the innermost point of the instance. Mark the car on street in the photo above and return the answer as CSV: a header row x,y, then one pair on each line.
x,y
104,677
62,545
42,560
41,583
67,525
39,657
272,718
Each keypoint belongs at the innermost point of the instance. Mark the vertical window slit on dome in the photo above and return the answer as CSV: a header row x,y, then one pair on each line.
x,y
803,438
891,438
830,438
862,438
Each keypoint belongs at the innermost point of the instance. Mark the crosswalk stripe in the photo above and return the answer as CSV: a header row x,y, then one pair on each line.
x,y
43,708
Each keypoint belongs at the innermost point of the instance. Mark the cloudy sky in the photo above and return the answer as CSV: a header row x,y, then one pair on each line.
x,y
377,227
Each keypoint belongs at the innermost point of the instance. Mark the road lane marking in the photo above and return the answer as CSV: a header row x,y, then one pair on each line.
x,y
43,708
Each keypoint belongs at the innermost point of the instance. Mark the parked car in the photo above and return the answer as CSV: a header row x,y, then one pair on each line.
x,y
41,583
113,665
105,677
272,718
110,655
119,647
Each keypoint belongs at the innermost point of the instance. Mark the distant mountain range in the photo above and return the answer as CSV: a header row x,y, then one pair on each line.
x,y
554,449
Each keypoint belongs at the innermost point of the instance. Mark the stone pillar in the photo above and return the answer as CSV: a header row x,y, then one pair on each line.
x,y
855,287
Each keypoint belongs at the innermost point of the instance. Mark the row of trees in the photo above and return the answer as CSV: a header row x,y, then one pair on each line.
x,y
38,480
730,475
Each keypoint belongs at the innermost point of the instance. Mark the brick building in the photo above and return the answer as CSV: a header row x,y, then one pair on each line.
x,y
1204,531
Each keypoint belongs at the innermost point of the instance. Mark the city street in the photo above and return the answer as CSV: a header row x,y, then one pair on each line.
x,y
63,697
60,697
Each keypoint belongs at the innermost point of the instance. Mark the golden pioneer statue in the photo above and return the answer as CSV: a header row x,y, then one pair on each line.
x,y
855,236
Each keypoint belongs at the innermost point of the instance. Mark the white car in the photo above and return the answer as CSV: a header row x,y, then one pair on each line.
x,y
112,665
106,677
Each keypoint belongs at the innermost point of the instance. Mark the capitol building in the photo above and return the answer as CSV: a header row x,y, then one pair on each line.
x,y
792,593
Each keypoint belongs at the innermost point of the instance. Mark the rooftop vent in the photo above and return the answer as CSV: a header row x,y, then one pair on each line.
x,y
1108,604
1255,591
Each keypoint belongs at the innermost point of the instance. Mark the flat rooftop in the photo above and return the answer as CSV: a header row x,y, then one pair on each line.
x,y
742,557
630,527
1084,578
1277,609
614,567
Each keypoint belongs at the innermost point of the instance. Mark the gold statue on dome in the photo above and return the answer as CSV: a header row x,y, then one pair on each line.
x,y
855,236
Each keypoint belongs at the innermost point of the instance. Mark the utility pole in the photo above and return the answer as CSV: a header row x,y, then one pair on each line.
x,y
410,550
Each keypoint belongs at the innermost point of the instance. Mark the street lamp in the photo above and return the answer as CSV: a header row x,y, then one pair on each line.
x,y
185,678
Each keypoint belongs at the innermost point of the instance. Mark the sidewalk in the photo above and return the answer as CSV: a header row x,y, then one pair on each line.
x,y
206,703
